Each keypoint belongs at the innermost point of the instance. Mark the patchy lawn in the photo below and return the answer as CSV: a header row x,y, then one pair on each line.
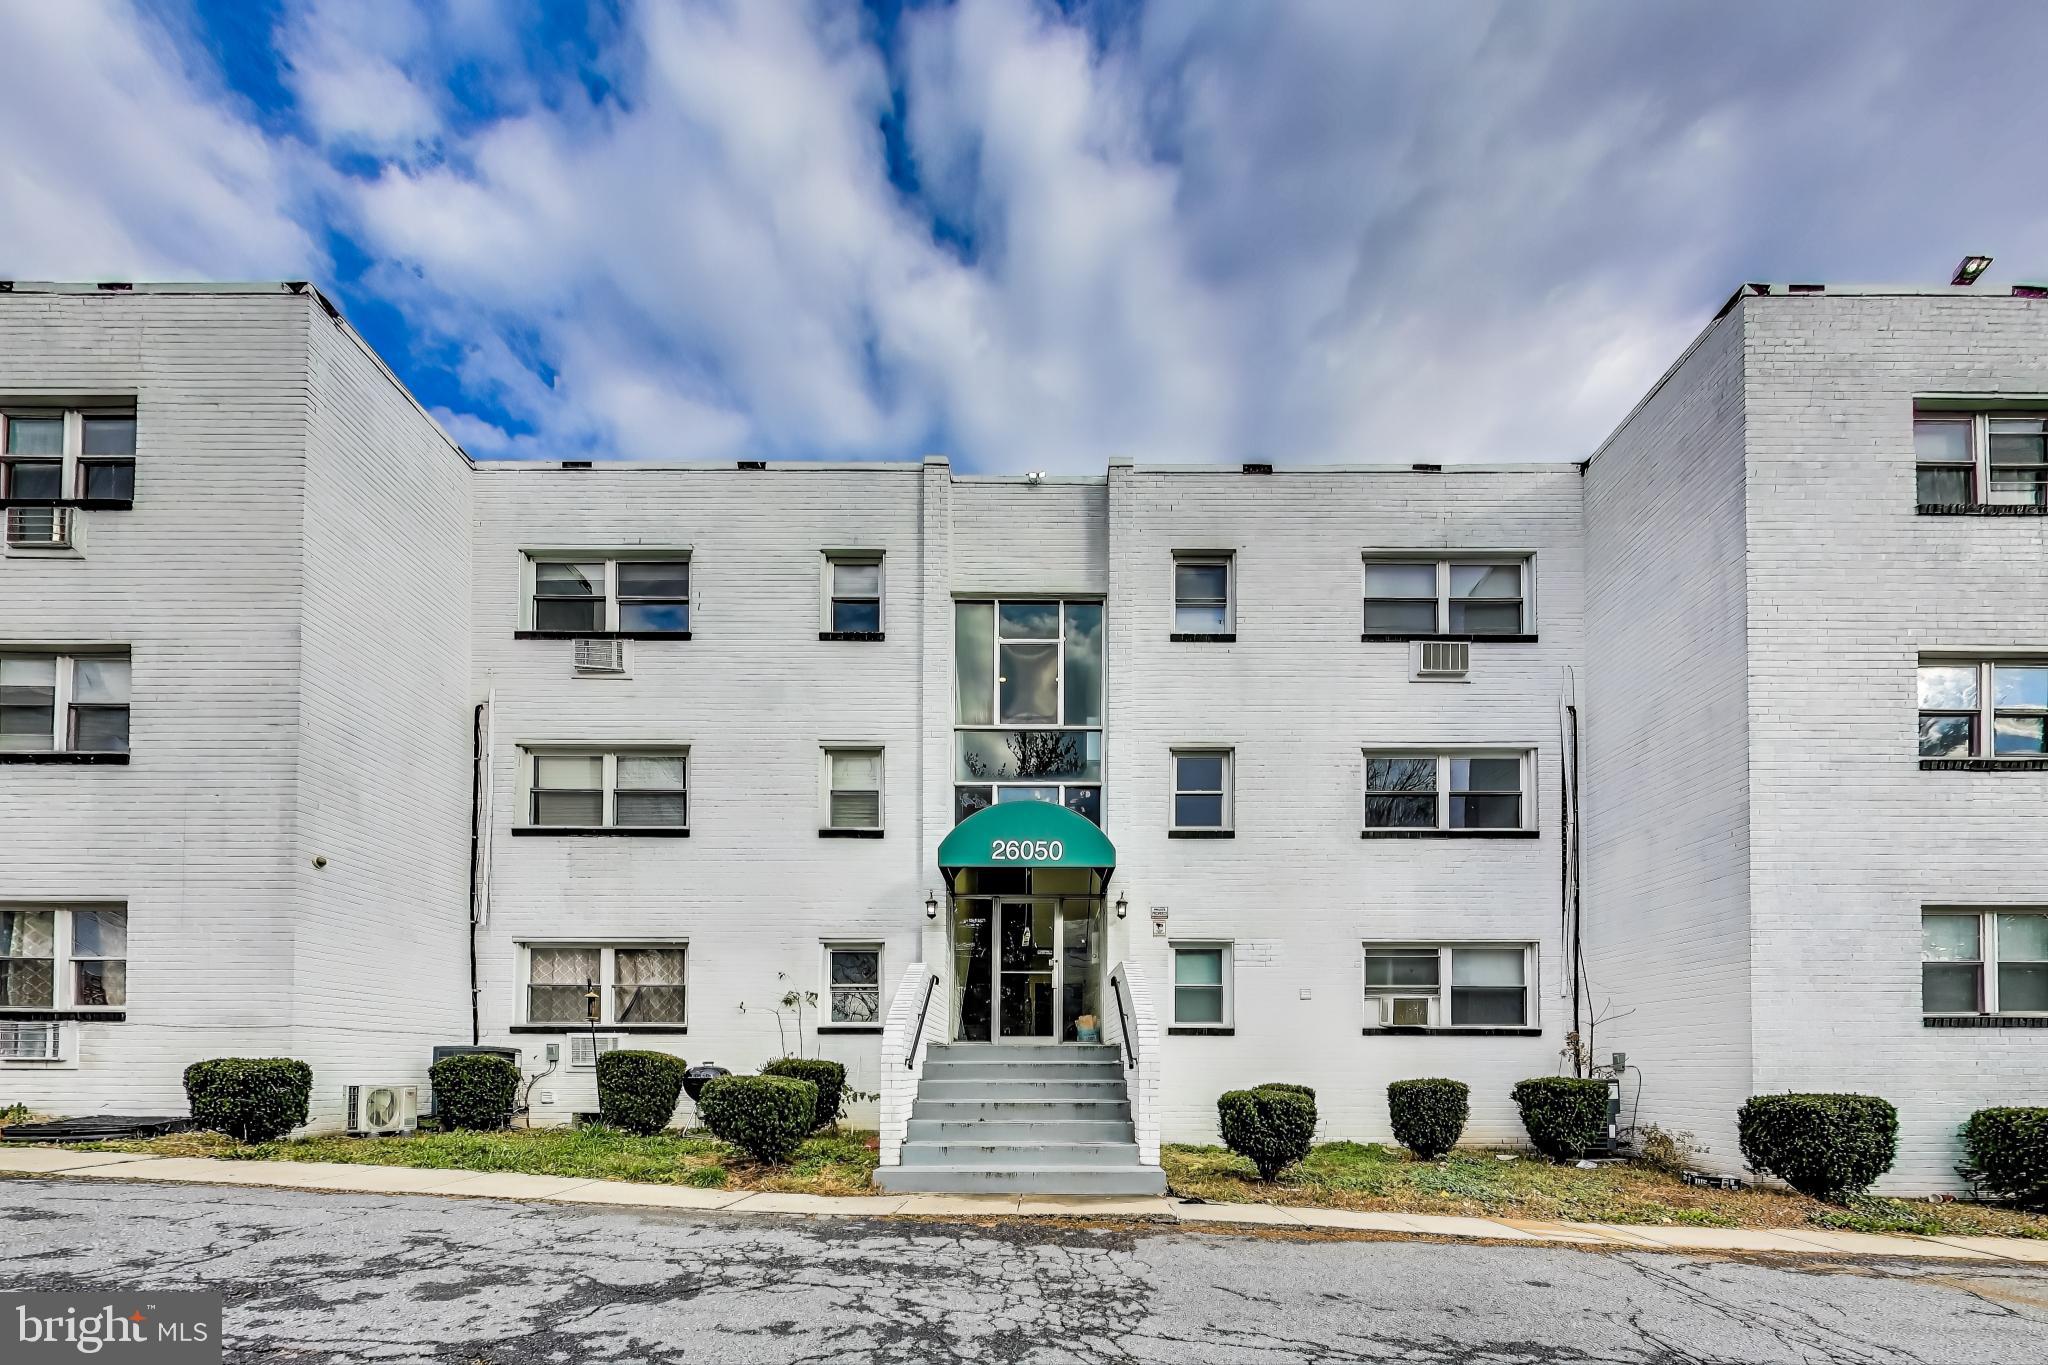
x,y
829,1163
1352,1175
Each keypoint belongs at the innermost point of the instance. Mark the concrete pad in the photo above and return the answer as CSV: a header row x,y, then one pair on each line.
x,y
2007,1248
513,1185
958,1205
627,1192
1877,1244
1269,1215
1725,1239
855,1204
1453,1225
1357,1220
36,1160
1096,1206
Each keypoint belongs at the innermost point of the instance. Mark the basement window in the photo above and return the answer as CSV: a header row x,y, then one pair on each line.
x,y
63,957
634,983
1488,985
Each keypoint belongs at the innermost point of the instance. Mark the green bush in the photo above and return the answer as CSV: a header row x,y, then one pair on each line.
x,y
1826,1146
637,1091
474,1089
1429,1115
1272,1125
766,1117
1566,1115
251,1099
1289,1086
829,1077
2006,1154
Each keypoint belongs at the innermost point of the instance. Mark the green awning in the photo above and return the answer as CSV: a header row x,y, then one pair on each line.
x,y
1028,834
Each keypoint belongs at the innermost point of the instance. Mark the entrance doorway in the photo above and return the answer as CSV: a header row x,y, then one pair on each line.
x,y
1027,969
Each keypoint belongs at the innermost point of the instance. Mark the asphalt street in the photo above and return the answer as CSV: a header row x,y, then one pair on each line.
x,y
314,1277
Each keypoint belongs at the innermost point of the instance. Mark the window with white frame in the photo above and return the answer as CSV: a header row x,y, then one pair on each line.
x,y
63,957
623,789
633,984
853,983
1479,985
1978,708
853,789
1201,593
1974,458
1476,597
853,592
1202,995
648,595
63,703
53,455
1201,789
1984,962
1448,791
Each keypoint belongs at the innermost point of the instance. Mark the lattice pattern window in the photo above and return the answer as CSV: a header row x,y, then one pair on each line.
x,y
854,975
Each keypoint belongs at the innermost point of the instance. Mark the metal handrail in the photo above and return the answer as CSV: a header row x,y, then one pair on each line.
x,y
917,1036
1130,1040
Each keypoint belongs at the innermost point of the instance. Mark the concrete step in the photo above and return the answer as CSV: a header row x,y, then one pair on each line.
x,y
1020,1111
1021,1069
1005,1052
1022,1180
983,1089
1003,1130
1019,1155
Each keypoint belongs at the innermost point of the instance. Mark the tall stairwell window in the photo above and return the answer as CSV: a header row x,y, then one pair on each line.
x,y
1027,693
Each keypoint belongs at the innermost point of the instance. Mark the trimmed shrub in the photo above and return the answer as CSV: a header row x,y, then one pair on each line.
x,y
1289,1086
251,1099
1272,1125
1566,1115
1429,1115
829,1077
2007,1155
766,1117
637,1091
1826,1146
474,1090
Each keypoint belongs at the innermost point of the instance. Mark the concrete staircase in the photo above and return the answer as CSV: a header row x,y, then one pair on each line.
x,y
1010,1118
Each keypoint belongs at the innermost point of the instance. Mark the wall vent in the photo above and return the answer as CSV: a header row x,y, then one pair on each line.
x,y
1441,660
575,464
1427,468
40,528
1258,469
2030,291
753,464
600,656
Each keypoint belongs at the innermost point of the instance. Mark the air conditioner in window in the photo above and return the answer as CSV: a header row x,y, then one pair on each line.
x,y
1440,660
32,1042
379,1110
601,656
41,528
1404,1011
584,1049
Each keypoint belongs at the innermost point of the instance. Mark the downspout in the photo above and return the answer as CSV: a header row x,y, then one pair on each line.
x,y
476,794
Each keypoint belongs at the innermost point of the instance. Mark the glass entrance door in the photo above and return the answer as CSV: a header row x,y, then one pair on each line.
x,y
1027,969
1026,963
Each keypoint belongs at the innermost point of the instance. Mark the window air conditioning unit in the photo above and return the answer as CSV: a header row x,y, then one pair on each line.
x,y
601,656
40,528
31,1042
380,1110
1441,660
584,1049
1404,1011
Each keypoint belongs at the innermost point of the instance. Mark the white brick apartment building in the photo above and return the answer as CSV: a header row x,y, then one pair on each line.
x,y
319,739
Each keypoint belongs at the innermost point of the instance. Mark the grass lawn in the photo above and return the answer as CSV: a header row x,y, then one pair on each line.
x,y
829,1163
1353,1175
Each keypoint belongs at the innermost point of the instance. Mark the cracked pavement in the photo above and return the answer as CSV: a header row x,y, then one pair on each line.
x,y
312,1277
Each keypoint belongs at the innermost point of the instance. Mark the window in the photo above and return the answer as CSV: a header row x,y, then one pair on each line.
x,y
63,703
853,976
1963,702
590,596
853,789
1477,597
1027,679
636,984
56,456
1201,789
1201,595
1964,459
54,957
1488,986
1984,962
623,790
1201,985
854,594
1458,791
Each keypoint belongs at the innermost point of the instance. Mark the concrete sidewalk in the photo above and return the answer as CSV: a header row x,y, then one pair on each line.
x,y
365,1179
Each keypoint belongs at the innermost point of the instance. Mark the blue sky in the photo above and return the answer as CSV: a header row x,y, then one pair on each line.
x,y
1025,234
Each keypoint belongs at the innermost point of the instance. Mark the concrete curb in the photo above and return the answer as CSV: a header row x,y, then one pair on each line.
x,y
340,1178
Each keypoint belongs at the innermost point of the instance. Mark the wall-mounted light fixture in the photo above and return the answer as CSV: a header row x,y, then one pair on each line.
x,y
1123,906
931,905
1969,269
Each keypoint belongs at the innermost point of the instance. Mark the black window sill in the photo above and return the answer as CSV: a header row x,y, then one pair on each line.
x,y
870,636
63,758
1200,637
64,1016
1201,834
1392,637
1456,1032
1984,1021
849,1028
599,832
1981,509
850,833
600,634
1984,765
85,504
1450,833
1201,1031
566,1029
